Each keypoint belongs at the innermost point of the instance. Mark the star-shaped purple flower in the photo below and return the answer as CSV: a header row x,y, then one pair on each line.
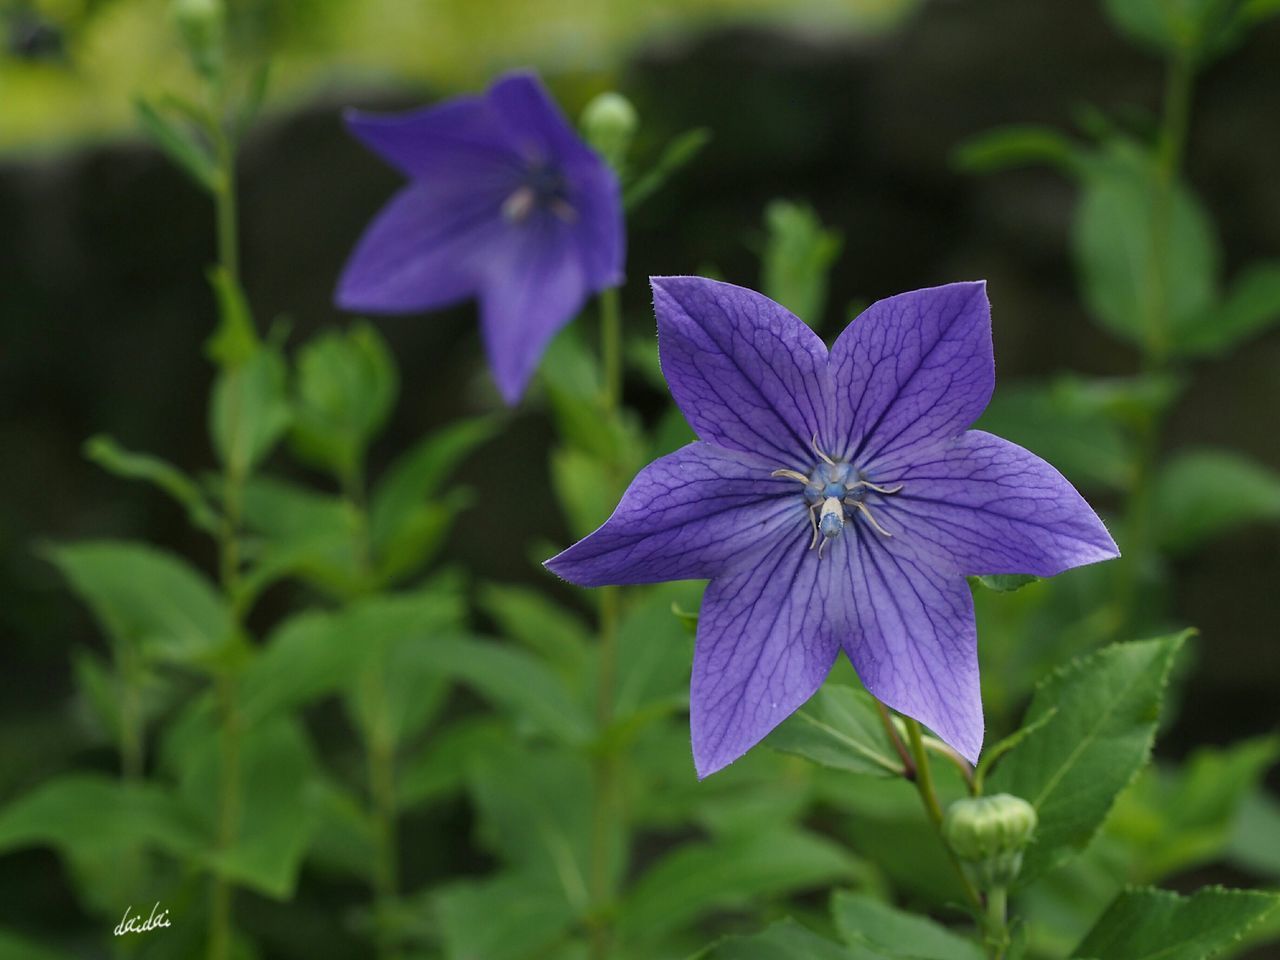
x,y
835,501
505,203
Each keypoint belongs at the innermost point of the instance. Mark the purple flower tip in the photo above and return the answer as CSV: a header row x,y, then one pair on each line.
x,y
836,500
505,204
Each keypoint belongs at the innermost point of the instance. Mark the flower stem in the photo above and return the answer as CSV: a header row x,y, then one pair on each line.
x,y
1168,161
997,922
605,763
379,745
908,764
929,797
611,347
235,474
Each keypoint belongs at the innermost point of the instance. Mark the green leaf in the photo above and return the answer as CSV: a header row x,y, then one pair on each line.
x,y
797,257
556,634
408,520
1200,494
1073,767
727,873
1173,819
400,682
1088,447
516,682
305,658
840,728
187,153
1150,924
1199,29
583,484
304,534
679,152
653,653
533,808
276,800
147,599
865,921
440,767
346,385
787,940
113,458
1255,836
1005,582
1122,267
1021,145
533,918
235,339
344,839
1251,307
249,410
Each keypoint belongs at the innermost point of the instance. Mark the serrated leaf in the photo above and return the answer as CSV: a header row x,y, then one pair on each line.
x,y
148,599
727,873
1150,924
1202,493
840,728
115,459
865,921
1071,769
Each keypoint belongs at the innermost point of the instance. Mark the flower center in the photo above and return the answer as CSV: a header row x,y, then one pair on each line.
x,y
543,187
836,491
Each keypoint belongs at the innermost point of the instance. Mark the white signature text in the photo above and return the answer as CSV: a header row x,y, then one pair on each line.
x,y
135,924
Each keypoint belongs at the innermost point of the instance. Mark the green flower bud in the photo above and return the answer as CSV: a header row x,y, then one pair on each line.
x,y
988,835
202,24
609,122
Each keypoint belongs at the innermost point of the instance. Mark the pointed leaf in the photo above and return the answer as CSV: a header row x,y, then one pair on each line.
x,y
865,921
1202,493
113,458
1072,768
1161,925
840,728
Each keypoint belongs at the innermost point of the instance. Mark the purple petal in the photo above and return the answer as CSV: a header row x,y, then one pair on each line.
x,y
989,506
765,644
911,369
746,372
911,633
534,283
687,516
459,141
598,228
532,122
425,249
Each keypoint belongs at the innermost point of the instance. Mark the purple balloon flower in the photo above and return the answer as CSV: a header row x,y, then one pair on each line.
x,y
505,203
835,501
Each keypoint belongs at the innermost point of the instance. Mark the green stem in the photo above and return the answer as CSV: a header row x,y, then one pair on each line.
x,y
929,797
605,762
611,348
380,749
997,922
233,481
1168,161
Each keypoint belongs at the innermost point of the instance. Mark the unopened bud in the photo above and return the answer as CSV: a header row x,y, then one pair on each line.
x,y
988,835
609,122
202,24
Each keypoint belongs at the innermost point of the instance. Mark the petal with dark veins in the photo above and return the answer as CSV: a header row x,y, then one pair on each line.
x,y
690,515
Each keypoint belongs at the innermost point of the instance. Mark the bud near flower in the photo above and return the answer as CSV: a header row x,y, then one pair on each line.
x,y
988,835
609,122
202,23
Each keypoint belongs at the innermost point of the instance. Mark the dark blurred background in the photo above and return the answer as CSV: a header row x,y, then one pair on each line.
x,y
104,305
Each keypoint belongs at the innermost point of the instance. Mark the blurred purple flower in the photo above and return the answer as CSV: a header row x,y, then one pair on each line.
x,y
835,501
505,203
